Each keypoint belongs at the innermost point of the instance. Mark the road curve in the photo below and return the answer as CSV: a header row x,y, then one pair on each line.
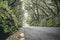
x,y
42,33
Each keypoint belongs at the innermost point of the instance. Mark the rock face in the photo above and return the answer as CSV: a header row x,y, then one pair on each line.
x,y
42,33
19,35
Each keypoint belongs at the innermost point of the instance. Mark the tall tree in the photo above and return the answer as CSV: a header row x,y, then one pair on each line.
x,y
43,12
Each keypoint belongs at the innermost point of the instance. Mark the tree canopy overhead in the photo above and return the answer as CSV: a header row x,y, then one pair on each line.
x,y
43,12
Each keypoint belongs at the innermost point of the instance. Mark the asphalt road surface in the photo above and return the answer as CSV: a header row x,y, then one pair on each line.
x,y
42,33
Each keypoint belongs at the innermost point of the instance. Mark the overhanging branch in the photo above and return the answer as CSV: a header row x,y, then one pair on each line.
x,y
49,8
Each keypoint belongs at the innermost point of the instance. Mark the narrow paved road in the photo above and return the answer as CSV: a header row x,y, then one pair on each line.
x,y
42,33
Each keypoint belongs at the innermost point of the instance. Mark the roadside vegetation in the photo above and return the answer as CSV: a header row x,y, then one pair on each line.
x,y
10,17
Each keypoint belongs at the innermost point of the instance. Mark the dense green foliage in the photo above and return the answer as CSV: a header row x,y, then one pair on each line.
x,y
43,12
9,22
